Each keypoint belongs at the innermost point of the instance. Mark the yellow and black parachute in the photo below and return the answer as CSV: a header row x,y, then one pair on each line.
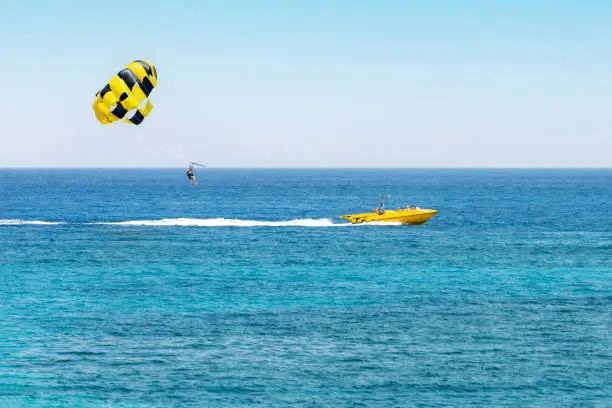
x,y
126,96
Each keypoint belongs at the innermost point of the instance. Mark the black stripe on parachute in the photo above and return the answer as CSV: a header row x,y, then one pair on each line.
x,y
146,66
119,111
146,86
137,118
129,77
104,90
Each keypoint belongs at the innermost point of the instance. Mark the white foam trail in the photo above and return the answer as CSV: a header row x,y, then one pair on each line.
x,y
225,222
28,222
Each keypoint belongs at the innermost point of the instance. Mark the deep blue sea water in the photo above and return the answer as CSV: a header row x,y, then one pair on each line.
x,y
132,288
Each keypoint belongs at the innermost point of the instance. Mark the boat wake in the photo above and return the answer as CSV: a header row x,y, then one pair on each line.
x,y
228,222
207,222
28,222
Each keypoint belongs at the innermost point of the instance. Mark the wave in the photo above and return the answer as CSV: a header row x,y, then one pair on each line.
x,y
28,222
225,222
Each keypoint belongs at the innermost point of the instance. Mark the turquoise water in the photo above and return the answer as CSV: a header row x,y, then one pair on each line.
x,y
132,288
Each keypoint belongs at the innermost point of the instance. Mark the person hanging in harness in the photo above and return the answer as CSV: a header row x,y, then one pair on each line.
x,y
190,175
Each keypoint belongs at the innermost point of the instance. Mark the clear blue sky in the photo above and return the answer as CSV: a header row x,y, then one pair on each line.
x,y
312,83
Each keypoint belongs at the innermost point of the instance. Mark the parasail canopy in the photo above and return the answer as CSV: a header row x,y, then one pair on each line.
x,y
126,96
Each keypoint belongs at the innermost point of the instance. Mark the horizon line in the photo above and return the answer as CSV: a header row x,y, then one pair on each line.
x,y
221,167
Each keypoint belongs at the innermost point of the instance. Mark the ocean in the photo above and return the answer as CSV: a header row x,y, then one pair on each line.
x,y
134,288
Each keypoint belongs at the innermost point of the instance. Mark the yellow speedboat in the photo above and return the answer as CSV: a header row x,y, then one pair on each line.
x,y
407,215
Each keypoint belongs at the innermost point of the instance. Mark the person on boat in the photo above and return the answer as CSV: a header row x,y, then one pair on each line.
x,y
191,176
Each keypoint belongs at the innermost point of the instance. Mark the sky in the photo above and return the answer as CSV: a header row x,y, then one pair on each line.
x,y
312,83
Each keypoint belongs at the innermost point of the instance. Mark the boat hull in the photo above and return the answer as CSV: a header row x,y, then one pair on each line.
x,y
408,216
